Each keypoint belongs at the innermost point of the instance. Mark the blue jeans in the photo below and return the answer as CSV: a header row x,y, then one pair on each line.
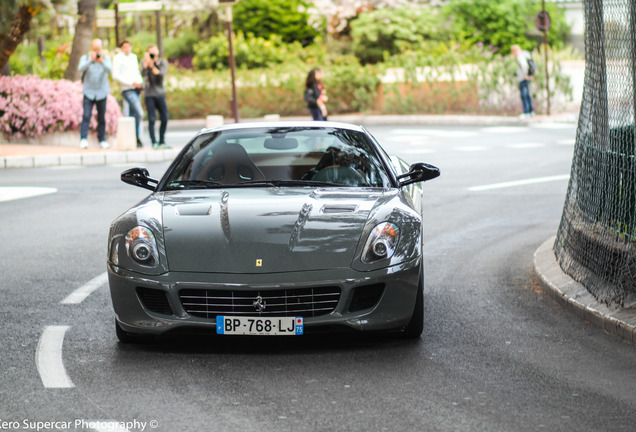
x,y
526,97
134,105
87,105
158,103
316,113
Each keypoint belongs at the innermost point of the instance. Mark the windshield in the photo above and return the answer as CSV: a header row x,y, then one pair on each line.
x,y
281,156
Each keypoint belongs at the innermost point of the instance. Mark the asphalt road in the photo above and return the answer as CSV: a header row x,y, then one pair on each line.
x,y
496,354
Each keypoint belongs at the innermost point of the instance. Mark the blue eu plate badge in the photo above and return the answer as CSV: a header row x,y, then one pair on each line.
x,y
274,326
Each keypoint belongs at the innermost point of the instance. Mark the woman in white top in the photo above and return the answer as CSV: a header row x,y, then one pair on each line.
x,y
126,72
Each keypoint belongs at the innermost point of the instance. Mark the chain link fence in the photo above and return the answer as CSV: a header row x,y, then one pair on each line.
x,y
596,240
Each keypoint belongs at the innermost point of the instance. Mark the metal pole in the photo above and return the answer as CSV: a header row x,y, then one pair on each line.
x,y
159,38
545,56
230,36
116,24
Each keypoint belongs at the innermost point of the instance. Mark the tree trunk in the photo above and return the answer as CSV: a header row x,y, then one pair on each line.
x,y
83,36
20,25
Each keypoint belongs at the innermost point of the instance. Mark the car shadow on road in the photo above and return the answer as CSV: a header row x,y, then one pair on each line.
x,y
216,344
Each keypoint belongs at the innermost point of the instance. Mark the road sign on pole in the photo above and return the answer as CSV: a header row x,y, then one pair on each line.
x,y
140,6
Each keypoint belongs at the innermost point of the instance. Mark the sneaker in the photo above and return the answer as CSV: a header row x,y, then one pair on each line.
x,y
83,143
104,144
522,116
164,146
155,145
139,143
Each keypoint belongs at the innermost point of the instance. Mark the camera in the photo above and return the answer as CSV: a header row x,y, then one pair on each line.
x,y
152,55
98,55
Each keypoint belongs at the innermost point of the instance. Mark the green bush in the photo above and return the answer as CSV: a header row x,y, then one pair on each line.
x,y
26,61
181,46
350,87
503,23
384,32
469,79
266,18
250,52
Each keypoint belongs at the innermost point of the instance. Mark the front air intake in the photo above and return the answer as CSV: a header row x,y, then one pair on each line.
x,y
366,297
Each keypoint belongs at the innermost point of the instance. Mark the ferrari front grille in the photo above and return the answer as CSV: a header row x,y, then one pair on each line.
x,y
301,302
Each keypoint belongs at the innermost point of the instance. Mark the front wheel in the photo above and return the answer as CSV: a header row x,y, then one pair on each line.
x,y
414,328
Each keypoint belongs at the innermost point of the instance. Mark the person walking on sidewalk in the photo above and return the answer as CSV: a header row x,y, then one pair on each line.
x,y
523,78
154,70
94,67
315,95
126,72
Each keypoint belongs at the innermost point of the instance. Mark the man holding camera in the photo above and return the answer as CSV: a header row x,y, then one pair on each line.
x,y
95,67
153,71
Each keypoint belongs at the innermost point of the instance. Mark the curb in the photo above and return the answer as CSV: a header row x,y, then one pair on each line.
x,y
88,159
576,298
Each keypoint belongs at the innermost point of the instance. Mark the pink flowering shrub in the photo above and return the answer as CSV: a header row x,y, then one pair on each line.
x,y
31,106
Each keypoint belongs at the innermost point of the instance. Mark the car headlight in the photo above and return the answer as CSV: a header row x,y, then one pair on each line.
x,y
381,243
142,247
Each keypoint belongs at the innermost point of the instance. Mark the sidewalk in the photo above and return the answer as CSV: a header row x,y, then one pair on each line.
x,y
15,155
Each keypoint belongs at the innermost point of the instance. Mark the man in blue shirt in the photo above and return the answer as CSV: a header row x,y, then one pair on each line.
x,y
95,67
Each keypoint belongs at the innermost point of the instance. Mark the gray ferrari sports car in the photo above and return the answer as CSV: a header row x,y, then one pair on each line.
x,y
280,228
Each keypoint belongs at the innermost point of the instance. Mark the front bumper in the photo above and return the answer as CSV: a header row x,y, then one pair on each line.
x,y
392,307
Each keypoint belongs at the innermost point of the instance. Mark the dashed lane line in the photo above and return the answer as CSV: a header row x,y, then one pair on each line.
x,y
80,294
16,193
519,183
48,358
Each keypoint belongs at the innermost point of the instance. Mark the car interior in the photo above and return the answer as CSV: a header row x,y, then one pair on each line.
x,y
238,158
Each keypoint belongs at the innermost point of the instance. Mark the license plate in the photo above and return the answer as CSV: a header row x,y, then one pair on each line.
x,y
275,326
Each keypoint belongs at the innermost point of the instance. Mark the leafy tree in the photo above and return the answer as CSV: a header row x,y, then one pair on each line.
x,y
502,23
339,13
23,12
264,18
86,11
388,31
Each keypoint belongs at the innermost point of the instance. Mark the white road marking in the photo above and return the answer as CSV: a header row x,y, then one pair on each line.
x,y
80,294
408,139
413,150
48,358
554,125
16,193
435,132
519,183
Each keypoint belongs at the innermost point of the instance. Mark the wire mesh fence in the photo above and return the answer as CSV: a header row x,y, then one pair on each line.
x,y
596,240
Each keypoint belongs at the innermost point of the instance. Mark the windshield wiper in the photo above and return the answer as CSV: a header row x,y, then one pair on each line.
x,y
195,184
278,183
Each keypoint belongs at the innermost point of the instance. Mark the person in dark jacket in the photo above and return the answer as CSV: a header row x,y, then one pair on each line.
x,y
316,95
154,70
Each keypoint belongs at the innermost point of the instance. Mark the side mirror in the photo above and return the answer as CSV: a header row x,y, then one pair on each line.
x,y
419,172
139,177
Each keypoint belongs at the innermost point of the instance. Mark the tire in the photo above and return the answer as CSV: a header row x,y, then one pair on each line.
x,y
414,328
